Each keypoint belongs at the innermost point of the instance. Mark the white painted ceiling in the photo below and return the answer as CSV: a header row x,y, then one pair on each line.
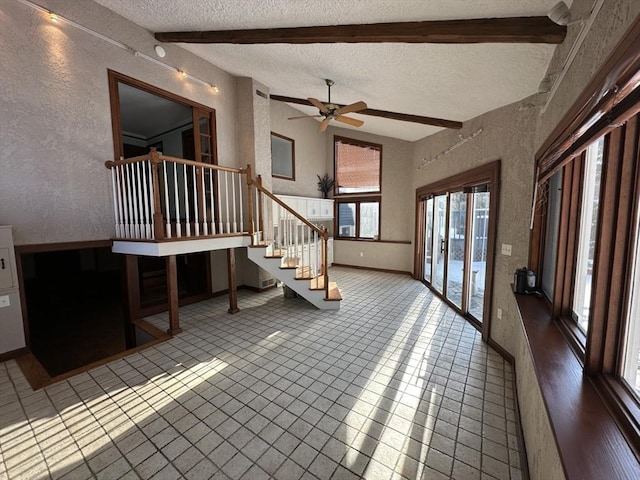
x,y
454,82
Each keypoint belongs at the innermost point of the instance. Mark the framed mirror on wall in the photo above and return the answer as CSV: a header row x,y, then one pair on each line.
x,y
283,157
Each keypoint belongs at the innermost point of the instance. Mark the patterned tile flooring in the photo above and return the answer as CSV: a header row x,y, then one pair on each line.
x,y
394,385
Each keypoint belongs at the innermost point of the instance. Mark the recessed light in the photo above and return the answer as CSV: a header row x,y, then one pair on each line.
x,y
160,51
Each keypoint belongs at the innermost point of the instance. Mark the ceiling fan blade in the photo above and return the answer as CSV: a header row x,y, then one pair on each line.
x,y
350,121
324,124
354,107
319,105
304,116
405,117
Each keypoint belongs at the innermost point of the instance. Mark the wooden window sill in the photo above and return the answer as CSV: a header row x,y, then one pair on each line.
x,y
589,441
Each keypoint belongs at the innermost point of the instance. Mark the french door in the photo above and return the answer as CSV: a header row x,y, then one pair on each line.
x,y
456,229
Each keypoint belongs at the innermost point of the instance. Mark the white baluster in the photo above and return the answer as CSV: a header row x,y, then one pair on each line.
x,y
226,196
195,202
240,201
233,196
186,200
205,225
177,200
140,202
167,208
220,229
295,236
122,183
150,207
132,202
315,241
257,220
212,172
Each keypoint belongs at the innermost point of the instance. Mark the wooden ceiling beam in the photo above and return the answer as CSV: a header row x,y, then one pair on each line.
x,y
405,117
478,30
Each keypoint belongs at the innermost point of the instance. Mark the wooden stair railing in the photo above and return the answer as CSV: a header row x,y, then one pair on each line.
x,y
290,232
158,197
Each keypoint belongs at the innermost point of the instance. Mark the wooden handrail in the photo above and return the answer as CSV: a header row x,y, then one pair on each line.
x,y
266,192
160,157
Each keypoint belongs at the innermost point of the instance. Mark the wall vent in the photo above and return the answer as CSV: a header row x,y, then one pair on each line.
x,y
268,283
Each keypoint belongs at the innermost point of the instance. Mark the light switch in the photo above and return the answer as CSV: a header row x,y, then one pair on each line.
x,y
4,301
506,249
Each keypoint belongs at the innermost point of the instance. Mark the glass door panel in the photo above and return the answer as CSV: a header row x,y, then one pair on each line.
x,y
439,241
456,247
428,238
479,239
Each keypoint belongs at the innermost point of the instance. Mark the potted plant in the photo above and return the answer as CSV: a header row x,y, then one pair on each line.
x,y
325,184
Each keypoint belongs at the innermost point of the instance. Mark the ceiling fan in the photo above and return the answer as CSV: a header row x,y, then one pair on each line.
x,y
332,111
335,111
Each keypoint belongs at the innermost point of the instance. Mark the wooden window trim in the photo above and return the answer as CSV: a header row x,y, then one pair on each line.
x,y
357,200
485,174
116,128
359,143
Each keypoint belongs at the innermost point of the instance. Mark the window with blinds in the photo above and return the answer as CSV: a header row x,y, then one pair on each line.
x,y
358,166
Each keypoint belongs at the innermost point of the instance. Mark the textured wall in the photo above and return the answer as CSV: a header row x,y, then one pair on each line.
x,y
56,119
613,20
310,151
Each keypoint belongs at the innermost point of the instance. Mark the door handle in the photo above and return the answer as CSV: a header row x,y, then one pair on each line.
x,y
442,246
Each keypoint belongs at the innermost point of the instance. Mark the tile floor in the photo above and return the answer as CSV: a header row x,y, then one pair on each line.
x,y
394,385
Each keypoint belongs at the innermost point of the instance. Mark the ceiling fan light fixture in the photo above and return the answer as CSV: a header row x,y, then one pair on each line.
x,y
560,13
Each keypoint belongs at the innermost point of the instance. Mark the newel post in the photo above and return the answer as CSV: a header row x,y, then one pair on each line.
x,y
158,221
252,227
260,209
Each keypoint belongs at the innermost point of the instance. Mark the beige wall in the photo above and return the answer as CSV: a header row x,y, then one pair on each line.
x,y
56,118
310,151
396,215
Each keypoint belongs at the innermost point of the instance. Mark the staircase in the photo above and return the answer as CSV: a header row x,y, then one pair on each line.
x,y
297,276
166,206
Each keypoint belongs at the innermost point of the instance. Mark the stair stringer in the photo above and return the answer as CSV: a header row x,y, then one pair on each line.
x,y
287,276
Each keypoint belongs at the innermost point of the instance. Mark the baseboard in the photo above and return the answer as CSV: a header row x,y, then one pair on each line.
x,y
502,352
13,354
220,293
385,270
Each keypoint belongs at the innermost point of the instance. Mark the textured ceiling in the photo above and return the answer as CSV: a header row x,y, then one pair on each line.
x,y
455,82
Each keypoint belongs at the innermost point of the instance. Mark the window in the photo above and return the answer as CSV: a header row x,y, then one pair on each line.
x,y
357,166
587,234
283,157
359,219
585,240
553,197
631,364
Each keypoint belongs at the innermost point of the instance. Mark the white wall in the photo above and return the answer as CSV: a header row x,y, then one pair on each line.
x,y
56,119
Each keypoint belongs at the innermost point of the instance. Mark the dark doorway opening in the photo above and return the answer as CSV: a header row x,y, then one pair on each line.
x,y
75,306
194,281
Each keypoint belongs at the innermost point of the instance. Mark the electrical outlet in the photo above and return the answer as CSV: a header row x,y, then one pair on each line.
x,y
4,301
499,313
506,249
362,254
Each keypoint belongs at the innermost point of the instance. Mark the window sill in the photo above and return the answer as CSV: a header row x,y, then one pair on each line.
x,y
589,441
